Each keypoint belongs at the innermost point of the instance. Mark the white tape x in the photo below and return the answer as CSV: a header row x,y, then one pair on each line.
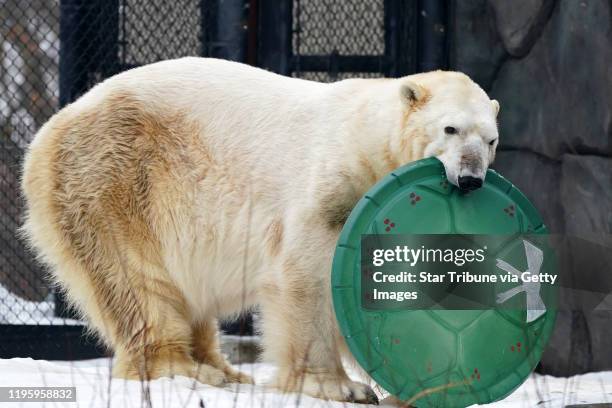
x,y
535,305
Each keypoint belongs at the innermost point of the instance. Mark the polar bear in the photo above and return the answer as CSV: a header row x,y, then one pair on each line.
x,y
180,192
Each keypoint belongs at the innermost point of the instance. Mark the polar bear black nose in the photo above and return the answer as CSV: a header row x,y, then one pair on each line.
x,y
469,183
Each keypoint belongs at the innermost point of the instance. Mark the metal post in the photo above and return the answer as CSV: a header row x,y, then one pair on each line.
x,y
224,29
88,44
275,25
72,64
231,36
252,24
400,37
107,34
432,35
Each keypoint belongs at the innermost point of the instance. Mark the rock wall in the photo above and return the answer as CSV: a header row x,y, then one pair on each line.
x,y
549,63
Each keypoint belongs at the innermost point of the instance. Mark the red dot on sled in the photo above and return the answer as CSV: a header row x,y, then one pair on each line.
x,y
387,229
512,348
386,220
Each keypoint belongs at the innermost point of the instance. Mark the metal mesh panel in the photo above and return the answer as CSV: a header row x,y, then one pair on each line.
x,y
332,29
29,93
351,27
327,77
171,29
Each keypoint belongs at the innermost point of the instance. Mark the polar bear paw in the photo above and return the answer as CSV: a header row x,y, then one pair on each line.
x,y
329,387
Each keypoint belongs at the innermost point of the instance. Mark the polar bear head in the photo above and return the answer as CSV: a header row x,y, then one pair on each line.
x,y
450,117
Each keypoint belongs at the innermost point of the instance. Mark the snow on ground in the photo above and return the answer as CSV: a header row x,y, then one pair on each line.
x,y
91,379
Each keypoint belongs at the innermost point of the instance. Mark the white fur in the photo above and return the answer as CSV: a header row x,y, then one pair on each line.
x,y
281,146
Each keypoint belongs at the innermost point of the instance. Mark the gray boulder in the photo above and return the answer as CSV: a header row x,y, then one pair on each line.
x,y
558,98
520,22
586,188
476,48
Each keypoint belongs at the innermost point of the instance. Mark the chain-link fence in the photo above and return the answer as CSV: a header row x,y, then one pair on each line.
x,y
334,40
29,95
331,28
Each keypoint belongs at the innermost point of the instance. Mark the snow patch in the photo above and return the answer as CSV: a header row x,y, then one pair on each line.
x,y
95,388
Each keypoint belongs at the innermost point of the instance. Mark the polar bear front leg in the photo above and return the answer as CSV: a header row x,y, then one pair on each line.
x,y
300,332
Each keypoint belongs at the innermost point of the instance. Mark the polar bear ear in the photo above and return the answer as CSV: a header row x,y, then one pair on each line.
x,y
495,106
413,94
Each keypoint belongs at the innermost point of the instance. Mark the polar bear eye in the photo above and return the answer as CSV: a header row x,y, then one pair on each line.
x,y
450,130
492,142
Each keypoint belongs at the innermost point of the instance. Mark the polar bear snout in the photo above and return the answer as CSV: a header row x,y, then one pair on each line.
x,y
469,183
471,170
